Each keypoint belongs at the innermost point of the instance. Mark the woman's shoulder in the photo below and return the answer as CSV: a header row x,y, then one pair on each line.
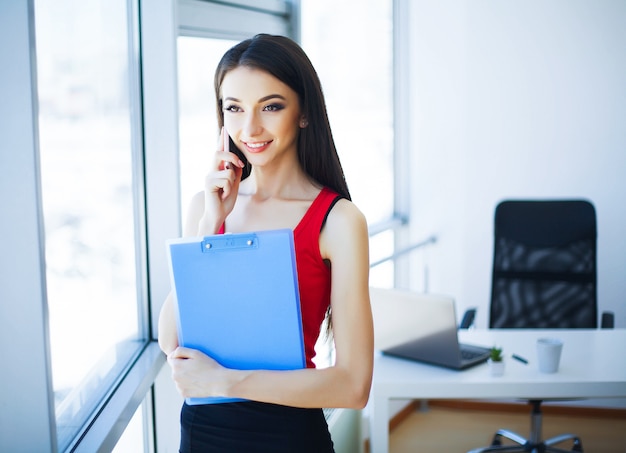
x,y
345,217
345,208
345,231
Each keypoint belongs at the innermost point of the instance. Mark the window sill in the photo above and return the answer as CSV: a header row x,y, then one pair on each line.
x,y
107,427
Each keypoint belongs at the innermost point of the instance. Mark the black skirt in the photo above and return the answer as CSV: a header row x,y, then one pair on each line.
x,y
253,427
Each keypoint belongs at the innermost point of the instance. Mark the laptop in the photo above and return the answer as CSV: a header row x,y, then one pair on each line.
x,y
438,343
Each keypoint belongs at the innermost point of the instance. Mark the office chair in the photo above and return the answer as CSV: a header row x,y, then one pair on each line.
x,y
543,277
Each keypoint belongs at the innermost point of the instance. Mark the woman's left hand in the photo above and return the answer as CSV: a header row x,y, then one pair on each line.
x,y
197,375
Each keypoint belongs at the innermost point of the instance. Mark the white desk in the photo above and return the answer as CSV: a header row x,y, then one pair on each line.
x,y
593,365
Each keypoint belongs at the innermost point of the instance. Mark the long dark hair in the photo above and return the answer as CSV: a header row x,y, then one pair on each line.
x,y
284,59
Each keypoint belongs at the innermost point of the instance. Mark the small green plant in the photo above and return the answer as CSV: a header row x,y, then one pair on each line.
x,y
495,354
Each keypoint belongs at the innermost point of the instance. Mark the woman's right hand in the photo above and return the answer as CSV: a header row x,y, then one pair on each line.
x,y
221,186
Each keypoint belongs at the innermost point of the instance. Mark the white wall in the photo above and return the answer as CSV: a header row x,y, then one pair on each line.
x,y
509,100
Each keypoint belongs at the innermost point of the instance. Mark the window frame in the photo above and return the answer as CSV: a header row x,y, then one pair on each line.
x,y
401,127
25,336
233,19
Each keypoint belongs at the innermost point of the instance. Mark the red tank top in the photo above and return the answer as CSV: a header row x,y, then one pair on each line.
x,y
313,273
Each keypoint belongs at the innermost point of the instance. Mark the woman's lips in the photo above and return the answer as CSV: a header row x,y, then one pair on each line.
x,y
256,147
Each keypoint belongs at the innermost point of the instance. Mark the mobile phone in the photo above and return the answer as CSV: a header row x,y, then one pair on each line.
x,y
229,145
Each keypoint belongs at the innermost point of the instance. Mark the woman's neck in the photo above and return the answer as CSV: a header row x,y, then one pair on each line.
x,y
286,182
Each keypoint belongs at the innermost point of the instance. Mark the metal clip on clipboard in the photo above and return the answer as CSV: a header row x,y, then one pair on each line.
x,y
230,242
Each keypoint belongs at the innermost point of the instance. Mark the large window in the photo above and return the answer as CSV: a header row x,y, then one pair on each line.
x,y
89,167
351,46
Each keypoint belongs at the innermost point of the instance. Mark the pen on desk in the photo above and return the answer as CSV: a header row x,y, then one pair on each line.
x,y
521,359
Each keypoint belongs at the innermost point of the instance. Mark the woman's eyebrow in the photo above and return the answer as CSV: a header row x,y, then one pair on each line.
x,y
263,99
272,96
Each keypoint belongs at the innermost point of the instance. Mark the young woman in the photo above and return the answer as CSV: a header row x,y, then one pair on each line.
x,y
285,173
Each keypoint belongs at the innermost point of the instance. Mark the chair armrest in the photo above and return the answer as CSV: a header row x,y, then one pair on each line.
x,y
468,318
608,320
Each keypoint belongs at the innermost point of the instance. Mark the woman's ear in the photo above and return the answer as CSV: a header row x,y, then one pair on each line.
x,y
303,122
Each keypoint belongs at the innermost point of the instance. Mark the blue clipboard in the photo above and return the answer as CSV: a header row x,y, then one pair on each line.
x,y
238,301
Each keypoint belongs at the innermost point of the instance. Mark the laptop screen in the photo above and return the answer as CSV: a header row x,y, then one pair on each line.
x,y
400,316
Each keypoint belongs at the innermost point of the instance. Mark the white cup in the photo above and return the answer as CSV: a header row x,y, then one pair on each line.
x,y
549,354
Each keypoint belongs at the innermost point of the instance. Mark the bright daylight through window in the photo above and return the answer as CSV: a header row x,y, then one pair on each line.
x,y
350,44
88,182
197,60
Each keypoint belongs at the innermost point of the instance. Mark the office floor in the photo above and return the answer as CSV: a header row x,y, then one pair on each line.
x,y
443,429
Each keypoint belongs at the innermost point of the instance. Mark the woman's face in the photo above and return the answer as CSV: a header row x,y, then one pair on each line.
x,y
261,114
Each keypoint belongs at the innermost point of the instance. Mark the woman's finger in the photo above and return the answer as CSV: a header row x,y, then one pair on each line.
x,y
223,155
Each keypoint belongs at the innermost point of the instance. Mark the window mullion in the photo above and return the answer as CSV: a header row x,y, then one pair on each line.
x,y
27,403
401,99
160,126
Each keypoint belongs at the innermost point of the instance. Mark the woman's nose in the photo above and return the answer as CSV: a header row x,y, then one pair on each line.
x,y
252,125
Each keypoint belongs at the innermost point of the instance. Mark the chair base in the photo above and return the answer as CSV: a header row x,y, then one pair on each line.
x,y
533,444
524,445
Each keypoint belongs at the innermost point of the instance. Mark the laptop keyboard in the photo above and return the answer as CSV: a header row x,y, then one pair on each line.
x,y
467,354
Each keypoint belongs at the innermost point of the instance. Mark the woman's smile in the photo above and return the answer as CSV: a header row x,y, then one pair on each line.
x,y
256,147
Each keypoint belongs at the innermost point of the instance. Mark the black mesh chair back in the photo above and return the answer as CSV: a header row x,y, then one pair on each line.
x,y
544,266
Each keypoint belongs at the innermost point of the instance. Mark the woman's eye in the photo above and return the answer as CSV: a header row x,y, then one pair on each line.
x,y
273,107
232,108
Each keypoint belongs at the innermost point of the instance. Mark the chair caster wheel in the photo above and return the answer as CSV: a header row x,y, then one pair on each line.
x,y
578,445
